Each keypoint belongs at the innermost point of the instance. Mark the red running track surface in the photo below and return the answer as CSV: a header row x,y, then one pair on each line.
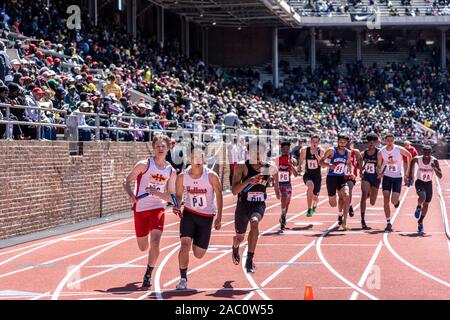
x,y
104,262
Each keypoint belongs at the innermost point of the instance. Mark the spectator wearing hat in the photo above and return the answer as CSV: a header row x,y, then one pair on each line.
x,y
57,66
6,71
84,134
72,97
112,87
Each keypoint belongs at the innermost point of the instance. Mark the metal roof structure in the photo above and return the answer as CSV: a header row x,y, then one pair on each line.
x,y
233,13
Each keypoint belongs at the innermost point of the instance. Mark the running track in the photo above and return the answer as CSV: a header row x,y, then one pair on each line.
x,y
103,262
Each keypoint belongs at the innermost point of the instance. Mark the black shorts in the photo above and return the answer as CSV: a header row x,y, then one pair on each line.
x,y
392,184
334,184
316,179
427,187
196,227
353,181
372,180
245,210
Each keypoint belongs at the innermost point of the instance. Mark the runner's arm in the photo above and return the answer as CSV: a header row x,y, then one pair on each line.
x,y
138,169
179,189
328,154
407,154
301,158
217,186
276,186
411,169
238,184
379,165
437,168
294,167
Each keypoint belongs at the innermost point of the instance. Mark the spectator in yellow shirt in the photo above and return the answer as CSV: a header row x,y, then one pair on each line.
x,y
112,87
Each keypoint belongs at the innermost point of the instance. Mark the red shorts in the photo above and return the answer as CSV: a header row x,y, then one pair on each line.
x,y
146,221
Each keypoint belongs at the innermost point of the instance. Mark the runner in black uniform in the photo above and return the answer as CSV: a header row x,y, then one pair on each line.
x,y
249,183
312,176
370,183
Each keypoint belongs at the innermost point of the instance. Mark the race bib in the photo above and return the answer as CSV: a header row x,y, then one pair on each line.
x,y
340,168
159,187
255,196
312,164
198,201
425,176
283,176
348,171
392,168
370,168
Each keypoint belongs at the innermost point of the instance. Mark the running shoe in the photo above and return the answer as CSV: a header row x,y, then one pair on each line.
x,y
364,225
344,226
147,282
388,228
314,209
351,213
420,228
235,255
339,219
250,266
397,205
182,285
309,213
418,212
282,222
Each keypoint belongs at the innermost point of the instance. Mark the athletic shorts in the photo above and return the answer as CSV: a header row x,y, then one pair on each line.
x,y
372,180
317,181
286,189
427,187
146,221
245,210
392,184
353,181
196,227
334,184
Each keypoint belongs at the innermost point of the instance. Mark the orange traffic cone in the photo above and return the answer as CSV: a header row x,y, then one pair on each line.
x,y
309,294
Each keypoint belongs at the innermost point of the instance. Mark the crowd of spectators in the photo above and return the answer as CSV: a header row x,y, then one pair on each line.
x,y
97,69
318,8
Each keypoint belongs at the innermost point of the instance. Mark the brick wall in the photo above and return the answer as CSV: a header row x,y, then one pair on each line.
x,y
42,186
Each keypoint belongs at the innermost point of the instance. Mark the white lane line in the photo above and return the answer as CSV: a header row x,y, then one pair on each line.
x,y
250,278
443,209
241,245
331,269
366,272
158,276
41,296
293,259
77,267
64,257
275,226
401,259
118,266
372,260
56,260
45,244
249,296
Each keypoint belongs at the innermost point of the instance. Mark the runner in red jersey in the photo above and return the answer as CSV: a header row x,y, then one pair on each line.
x,y
286,167
155,181
357,165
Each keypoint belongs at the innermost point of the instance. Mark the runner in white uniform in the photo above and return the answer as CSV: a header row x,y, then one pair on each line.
x,y
202,191
390,168
427,166
155,177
